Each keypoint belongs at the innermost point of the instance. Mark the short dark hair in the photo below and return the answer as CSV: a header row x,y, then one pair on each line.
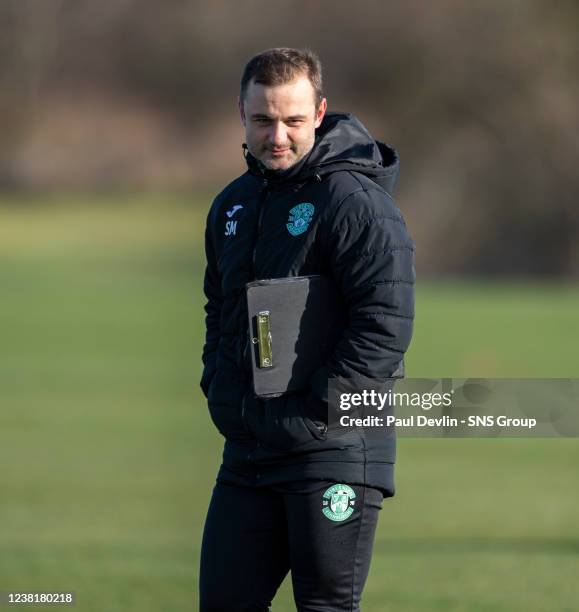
x,y
281,65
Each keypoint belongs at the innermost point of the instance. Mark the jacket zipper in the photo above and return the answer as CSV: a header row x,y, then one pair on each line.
x,y
261,207
262,197
246,345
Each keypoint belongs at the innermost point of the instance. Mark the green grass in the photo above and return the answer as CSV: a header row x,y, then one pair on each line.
x,y
107,454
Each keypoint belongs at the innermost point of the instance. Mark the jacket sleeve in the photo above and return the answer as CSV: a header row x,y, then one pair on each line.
x,y
371,258
212,290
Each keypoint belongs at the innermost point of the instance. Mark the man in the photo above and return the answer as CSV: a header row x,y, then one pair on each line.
x,y
315,200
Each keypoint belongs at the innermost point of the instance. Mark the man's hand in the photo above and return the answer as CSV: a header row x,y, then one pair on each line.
x,y
286,422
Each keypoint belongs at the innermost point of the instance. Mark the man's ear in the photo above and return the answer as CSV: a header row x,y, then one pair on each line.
x,y
320,112
241,110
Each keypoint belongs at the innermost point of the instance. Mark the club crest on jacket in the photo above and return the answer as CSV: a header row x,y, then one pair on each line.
x,y
299,218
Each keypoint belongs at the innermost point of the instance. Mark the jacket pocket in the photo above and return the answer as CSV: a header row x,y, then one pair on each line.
x,y
224,402
206,379
281,423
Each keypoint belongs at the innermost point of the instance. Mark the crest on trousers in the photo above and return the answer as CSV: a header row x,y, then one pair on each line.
x,y
300,217
338,502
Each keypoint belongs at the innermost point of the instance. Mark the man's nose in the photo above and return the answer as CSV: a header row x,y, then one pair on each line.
x,y
278,134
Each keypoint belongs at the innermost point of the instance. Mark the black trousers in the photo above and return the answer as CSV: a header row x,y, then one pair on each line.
x,y
322,531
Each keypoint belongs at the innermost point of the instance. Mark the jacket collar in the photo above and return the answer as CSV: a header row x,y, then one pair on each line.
x,y
341,143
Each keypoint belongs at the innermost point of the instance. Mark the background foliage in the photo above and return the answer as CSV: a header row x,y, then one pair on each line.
x,y
480,99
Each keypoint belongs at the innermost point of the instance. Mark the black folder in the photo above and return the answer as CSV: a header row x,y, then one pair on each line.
x,y
294,324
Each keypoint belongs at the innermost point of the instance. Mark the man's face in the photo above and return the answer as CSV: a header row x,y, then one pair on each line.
x,y
280,121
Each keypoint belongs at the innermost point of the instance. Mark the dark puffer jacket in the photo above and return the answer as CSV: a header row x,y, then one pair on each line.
x,y
349,230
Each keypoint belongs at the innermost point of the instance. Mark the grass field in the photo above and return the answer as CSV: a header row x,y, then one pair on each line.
x,y
108,457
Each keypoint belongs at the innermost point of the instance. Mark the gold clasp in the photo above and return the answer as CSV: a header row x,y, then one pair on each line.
x,y
263,339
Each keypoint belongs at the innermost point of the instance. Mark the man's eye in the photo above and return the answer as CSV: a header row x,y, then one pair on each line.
x,y
262,120
295,122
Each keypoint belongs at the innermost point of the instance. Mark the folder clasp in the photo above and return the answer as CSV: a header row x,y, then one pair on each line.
x,y
263,339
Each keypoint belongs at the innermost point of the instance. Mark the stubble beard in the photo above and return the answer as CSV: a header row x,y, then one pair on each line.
x,y
291,158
